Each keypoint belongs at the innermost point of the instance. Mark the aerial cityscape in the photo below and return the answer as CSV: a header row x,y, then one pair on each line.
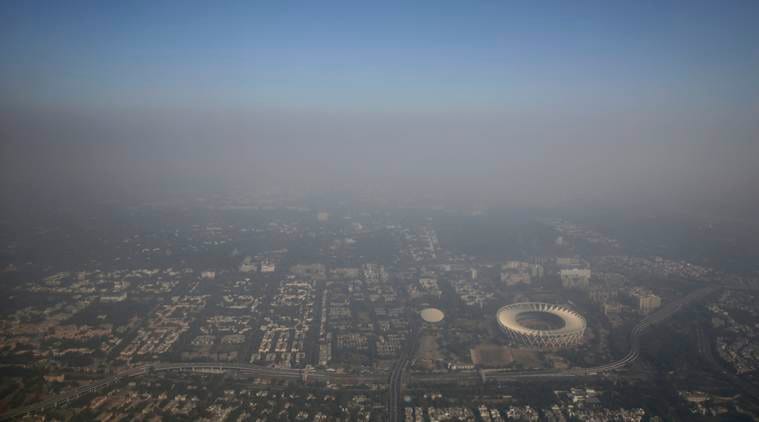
x,y
270,312
283,211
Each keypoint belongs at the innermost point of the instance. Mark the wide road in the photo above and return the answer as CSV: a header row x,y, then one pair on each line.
x,y
704,345
395,377
398,376
286,374
394,389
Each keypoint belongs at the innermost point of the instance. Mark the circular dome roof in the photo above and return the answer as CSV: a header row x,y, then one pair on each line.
x,y
432,315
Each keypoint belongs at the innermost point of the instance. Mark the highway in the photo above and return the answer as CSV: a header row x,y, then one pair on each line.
x,y
199,367
399,375
704,345
396,375
394,389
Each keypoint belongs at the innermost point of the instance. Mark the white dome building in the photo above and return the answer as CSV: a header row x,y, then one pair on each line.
x,y
432,315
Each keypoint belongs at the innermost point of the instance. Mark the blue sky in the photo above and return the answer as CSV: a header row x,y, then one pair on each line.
x,y
426,56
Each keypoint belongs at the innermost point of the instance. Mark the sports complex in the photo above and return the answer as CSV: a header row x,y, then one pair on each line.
x,y
541,326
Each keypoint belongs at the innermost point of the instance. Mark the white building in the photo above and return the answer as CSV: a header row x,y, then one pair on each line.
x,y
268,266
647,303
248,266
575,278
114,298
566,262
515,272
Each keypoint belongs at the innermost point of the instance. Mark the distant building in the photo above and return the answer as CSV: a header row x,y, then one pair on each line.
x,y
322,216
208,275
514,278
514,266
517,272
425,287
646,300
268,266
315,271
428,283
374,273
612,308
325,350
648,303
575,278
536,271
566,262
346,272
603,295
248,266
114,298
54,378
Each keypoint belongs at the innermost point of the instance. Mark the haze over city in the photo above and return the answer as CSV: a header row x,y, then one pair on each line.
x,y
481,104
350,211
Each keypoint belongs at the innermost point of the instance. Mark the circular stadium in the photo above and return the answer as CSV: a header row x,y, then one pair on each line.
x,y
541,326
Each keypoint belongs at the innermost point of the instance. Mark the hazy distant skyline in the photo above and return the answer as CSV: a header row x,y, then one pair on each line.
x,y
535,103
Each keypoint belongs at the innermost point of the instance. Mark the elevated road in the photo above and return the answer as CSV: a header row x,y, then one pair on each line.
x,y
394,389
286,374
704,345
396,376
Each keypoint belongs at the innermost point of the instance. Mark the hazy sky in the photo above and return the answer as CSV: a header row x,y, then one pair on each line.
x,y
534,102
